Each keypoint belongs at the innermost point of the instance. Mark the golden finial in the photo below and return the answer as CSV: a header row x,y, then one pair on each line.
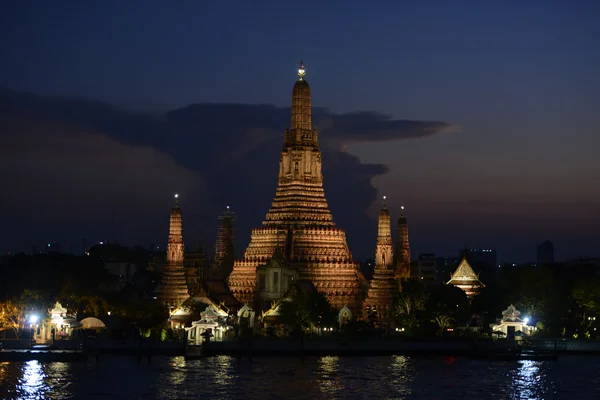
x,y
301,71
176,198
384,201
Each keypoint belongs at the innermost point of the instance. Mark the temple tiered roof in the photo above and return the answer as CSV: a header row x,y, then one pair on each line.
x,y
465,278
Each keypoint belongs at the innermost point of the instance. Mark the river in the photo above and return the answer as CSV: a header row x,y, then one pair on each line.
x,y
223,377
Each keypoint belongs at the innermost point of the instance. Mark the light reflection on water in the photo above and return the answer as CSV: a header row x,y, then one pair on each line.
x,y
527,381
397,377
32,381
329,379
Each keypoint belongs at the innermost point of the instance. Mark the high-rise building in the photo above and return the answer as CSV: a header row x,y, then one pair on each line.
x,y
174,290
545,252
445,266
402,255
427,268
383,288
488,257
225,245
300,222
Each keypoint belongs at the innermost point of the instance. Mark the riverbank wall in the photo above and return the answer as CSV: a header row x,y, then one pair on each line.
x,y
262,346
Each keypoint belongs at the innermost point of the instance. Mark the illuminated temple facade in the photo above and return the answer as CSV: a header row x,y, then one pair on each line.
x,y
466,279
300,223
174,290
383,289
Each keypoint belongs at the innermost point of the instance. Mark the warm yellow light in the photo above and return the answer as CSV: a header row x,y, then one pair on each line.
x,y
301,71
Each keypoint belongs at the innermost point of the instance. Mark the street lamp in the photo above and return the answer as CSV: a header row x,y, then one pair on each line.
x,y
32,320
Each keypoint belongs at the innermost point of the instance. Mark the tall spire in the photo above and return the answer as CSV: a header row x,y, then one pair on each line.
x,y
301,125
402,256
225,245
174,291
383,252
300,198
382,290
301,71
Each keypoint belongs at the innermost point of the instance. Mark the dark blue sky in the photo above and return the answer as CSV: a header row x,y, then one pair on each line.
x,y
520,78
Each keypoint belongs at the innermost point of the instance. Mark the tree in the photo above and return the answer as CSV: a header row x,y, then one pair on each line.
x,y
443,321
446,305
410,303
9,317
307,311
586,295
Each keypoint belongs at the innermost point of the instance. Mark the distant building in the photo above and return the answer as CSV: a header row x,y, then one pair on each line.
x,y
123,271
481,256
427,267
545,252
446,265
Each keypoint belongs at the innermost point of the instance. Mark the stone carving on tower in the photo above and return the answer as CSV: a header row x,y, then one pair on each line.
x,y
402,256
383,289
300,220
174,290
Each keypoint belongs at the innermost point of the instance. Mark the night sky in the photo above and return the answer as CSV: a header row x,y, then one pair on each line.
x,y
481,117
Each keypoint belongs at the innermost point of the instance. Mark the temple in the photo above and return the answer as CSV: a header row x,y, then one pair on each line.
x,y
299,221
174,290
224,245
402,256
466,279
383,289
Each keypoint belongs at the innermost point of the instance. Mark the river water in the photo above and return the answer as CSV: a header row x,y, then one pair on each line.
x,y
396,377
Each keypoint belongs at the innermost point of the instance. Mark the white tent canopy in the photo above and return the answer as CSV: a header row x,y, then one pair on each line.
x,y
92,323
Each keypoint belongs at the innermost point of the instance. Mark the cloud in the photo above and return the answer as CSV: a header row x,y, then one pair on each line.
x,y
344,130
77,159
60,178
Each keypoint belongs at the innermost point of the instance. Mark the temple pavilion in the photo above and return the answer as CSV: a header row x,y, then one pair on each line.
x,y
466,279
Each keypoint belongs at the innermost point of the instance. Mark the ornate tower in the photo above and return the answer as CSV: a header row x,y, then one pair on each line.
x,y
174,291
197,266
383,289
225,245
402,257
300,221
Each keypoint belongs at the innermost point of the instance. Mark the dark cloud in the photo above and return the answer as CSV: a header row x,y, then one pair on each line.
x,y
344,130
75,164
